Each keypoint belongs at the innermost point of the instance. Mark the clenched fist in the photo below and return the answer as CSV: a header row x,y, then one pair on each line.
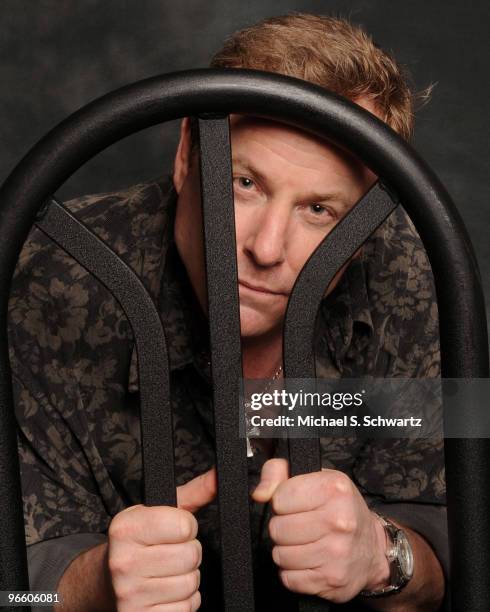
x,y
154,555
327,541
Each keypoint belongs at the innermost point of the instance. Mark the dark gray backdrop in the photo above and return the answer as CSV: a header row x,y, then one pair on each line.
x,y
58,55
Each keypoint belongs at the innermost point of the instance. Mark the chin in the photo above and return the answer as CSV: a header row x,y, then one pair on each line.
x,y
254,324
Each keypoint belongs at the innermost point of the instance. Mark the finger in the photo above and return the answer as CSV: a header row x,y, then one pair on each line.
x,y
306,527
150,525
274,472
299,528
314,555
192,604
169,589
198,492
308,492
163,560
309,581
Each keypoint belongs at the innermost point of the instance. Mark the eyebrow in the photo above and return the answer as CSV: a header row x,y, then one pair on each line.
x,y
313,196
249,168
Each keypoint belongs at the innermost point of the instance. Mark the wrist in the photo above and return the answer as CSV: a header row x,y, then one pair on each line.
x,y
109,601
400,557
86,583
379,577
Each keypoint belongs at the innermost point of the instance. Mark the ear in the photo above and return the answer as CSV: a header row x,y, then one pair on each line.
x,y
183,155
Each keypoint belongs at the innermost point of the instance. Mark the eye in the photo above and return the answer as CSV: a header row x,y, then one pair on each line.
x,y
318,209
319,214
244,182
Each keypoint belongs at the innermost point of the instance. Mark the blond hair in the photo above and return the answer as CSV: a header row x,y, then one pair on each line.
x,y
329,52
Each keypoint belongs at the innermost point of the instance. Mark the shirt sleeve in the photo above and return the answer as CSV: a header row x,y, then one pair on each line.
x,y
406,346
69,348
48,560
60,492
406,477
67,391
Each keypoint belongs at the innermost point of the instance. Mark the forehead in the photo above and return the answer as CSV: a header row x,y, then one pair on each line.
x,y
249,126
267,140
243,126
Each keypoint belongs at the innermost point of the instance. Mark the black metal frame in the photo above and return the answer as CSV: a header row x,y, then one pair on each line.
x,y
213,94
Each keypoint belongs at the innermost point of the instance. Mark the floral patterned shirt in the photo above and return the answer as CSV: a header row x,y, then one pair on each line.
x,y
76,385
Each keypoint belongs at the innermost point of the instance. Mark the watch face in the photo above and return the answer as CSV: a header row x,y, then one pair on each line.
x,y
405,555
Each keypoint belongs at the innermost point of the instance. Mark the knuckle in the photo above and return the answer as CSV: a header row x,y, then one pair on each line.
x,y
195,601
124,592
197,578
276,502
345,524
187,525
196,554
119,528
341,483
276,555
273,528
189,555
121,564
191,582
183,606
189,605
286,580
337,579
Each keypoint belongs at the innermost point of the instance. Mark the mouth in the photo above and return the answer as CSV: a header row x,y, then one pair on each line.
x,y
258,289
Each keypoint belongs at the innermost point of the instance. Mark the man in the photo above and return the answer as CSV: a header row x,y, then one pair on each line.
x,y
75,380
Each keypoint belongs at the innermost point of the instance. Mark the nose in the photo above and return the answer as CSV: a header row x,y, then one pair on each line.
x,y
267,239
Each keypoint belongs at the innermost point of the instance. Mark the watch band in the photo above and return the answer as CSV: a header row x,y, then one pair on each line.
x,y
397,577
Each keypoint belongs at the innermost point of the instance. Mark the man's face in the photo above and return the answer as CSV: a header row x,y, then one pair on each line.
x,y
290,189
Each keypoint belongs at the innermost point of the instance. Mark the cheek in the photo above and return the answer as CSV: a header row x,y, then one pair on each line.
x,y
245,222
302,247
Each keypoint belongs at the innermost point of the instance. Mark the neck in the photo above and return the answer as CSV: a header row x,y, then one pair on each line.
x,y
262,356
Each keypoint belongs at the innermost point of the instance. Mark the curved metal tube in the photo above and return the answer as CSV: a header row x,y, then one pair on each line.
x,y
464,346
155,412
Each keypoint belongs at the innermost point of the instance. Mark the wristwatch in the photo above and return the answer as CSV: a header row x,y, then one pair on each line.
x,y
400,558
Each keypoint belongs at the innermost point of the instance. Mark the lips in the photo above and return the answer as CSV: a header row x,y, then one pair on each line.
x,y
259,289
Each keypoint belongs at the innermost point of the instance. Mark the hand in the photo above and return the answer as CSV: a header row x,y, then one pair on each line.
x,y
154,554
328,542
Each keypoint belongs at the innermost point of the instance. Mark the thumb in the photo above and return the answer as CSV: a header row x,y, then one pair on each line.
x,y
198,492
274,471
